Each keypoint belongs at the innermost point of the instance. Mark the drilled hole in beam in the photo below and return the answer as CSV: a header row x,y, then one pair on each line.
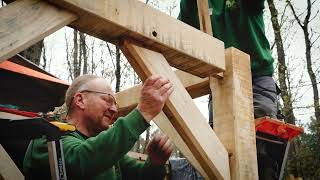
x,y
154,33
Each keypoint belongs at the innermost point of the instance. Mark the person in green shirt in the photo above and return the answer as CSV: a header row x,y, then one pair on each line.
x,y
239,24
98,147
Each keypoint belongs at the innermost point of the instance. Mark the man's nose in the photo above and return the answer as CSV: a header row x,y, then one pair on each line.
x,y
114,109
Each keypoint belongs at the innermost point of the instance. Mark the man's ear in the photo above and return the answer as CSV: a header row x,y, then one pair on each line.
x,y
79,101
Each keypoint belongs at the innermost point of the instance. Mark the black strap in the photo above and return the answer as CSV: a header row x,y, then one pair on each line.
x,y
258,91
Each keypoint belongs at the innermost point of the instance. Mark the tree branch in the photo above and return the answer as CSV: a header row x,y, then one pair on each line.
x,y
294,13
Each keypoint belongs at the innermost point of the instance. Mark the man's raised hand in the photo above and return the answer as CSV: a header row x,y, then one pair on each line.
x,y
154,93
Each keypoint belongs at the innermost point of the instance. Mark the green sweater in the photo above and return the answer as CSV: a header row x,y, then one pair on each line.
x,y
100,157
238,23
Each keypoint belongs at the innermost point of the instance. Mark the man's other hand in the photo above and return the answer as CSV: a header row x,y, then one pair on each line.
x,y
159,149
154,93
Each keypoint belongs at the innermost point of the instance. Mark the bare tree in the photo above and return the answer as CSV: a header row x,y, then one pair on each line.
x,y
83,53
305,26
70,68
282,68
76,60
283,76
118,69
44,57
33,53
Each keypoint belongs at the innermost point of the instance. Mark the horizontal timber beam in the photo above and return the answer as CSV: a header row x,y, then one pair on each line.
x,y
183,113
184,47
196,87
25,22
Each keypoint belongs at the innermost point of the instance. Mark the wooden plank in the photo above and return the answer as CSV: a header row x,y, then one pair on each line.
x,y
25,22
8,169
183,113
204,17
233,115
196,87
185,47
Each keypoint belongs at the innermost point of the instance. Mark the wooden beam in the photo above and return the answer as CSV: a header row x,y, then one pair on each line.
x,y
233,115
185,47
25,22
183,113
8,169
196,87
204,17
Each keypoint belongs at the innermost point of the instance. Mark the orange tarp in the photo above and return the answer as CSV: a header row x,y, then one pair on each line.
x,y
11,66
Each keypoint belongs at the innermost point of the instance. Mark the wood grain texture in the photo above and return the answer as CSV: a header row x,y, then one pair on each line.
x,y
183,113
205,24
8,169
185,47
25,22
233,115
196,87
204,17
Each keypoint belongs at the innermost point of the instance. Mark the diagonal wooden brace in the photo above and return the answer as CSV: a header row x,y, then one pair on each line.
x,y
183,113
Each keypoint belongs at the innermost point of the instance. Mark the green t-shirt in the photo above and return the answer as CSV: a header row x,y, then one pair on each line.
x,y
238,23
100,157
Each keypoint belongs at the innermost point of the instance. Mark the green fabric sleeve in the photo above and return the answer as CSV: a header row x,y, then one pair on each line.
x,y
132,169
91,157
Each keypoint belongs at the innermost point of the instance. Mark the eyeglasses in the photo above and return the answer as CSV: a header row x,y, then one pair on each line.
x,y
109,99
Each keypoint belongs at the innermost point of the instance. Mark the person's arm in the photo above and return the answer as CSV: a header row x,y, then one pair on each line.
x,y
96,154
104,150
132,169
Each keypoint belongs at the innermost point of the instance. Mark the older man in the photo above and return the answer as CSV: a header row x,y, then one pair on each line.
x,y
97,150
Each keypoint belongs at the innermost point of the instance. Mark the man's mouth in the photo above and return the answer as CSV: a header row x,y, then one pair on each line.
x,y
110,117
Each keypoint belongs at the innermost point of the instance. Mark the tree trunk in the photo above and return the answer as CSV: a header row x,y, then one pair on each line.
x,y
44,58
305,28
146,141
312,76
282,67
283,77
33,53
76,69
118,69
84,52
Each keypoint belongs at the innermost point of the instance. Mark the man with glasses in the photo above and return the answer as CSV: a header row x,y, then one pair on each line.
x,y
97,150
